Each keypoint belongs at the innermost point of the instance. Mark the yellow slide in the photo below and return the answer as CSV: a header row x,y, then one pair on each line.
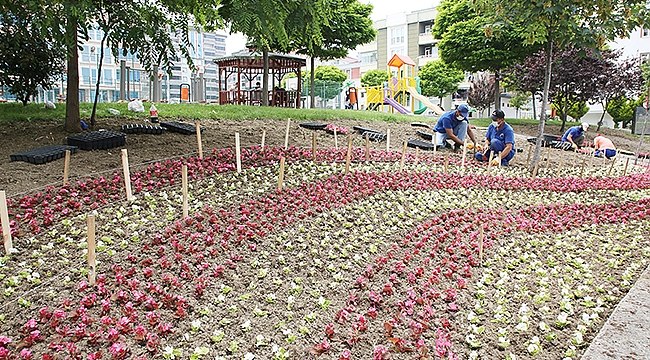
x,y
437,110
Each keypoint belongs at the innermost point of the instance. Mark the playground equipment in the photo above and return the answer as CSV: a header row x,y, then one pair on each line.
x,y
352,97
400,93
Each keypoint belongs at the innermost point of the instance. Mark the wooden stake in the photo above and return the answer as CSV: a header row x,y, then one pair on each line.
x,y
611,167
186,211
281,175
582,166
388,139
127,174
92,258
530,152
367,148
627,161
548,156
263,138
401,162
4,217
238,152
417,154
535,170
313,146
481,239
66,167
560,164
336,139
286,136
348,156
462,163
490,161
198,139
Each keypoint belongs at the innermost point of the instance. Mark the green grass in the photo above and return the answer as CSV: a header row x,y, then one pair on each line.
x,y
484,122
11,112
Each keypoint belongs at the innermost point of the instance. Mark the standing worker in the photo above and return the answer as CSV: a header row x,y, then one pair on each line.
x,y
454,125
499,140
604,147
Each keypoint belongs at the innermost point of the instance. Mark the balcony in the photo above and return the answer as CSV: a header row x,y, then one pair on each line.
x,y
424,59
426,38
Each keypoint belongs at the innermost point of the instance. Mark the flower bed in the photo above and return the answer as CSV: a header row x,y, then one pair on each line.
x,y
372,264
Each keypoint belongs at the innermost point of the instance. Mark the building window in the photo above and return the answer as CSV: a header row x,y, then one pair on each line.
x,y
645,33
397,35
427,29
644,56
368,57
427,51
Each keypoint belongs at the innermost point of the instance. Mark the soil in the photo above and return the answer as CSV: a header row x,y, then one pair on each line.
x,y
19,177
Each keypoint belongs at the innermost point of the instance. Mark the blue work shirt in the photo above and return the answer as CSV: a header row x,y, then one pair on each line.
x,y
505,134
447,121
574,131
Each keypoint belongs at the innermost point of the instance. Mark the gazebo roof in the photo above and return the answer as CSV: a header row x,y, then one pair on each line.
x,y
253,60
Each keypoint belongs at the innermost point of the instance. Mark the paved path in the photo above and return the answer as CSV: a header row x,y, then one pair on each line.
x,y
626,334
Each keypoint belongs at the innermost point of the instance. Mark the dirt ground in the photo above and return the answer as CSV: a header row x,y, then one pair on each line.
x,y
17,178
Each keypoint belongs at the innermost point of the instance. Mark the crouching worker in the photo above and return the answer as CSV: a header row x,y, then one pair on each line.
x,y
604,147
573,138
499,141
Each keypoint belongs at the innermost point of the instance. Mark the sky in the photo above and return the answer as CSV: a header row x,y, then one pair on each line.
x,y
382,8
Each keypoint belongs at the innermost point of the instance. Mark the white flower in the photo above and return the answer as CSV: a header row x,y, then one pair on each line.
x,y
543,326
246,325
249,356
522,326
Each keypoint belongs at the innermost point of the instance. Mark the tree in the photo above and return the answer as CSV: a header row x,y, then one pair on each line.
x,y
330,73
264,23
520,100
621,109
27,60
345,24
576,109
147,31
618,79
481,92
375,78
584,23
579,75
439,79
468,44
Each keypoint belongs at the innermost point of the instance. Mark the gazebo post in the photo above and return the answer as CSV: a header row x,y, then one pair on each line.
x,y
298,95
239,82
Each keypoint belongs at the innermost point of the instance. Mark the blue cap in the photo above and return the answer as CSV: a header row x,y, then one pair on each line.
x,y
464,110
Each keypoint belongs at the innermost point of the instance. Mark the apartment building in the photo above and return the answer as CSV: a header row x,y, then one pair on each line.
x,y
205,47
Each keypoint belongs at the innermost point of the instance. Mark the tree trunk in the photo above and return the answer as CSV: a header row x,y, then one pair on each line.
x,y
534,107
99,76
542,115
312,79
565,108
602,117
497,90
265,77
72,118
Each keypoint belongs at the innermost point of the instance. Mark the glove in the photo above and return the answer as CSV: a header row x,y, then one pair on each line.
x,y
496,161
470,146
478,147
573,146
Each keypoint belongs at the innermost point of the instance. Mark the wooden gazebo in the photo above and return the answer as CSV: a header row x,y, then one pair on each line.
x,y
246,66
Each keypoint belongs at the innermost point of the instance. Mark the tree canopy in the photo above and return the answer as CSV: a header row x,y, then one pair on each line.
x,y
27,59
439,79
375,78
469,44
582,23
